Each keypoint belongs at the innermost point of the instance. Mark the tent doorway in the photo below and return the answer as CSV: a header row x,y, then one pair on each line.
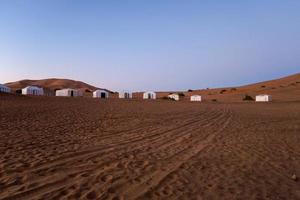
x,y
103,95
72,93
149,96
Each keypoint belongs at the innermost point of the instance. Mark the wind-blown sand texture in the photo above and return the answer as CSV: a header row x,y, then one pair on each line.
x,y
83,148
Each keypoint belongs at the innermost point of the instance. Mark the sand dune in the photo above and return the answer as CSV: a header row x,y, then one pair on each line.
x,y
283,89
114,149
54,84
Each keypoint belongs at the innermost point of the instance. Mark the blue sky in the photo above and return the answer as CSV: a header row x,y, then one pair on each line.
x,y
150,45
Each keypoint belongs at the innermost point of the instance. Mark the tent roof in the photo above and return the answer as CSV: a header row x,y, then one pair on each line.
x,y
32,87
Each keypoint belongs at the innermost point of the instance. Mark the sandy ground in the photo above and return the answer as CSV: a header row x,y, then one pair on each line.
x,y
64,148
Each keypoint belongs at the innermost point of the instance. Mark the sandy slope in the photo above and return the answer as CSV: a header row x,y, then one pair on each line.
x,y
283,89
50,85
62,148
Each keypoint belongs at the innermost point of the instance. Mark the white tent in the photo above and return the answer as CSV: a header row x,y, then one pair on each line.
x,y
33,90
149,95
125,95
196,98
174,96
103,94
4,88
263,98
68,93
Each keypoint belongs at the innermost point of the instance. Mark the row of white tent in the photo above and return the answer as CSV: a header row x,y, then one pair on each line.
x,y
34,90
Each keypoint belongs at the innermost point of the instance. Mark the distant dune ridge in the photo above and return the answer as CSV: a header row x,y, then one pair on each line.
x,y
54,84
282,89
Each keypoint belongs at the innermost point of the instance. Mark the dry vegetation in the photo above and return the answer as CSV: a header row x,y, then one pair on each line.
x,y
64,148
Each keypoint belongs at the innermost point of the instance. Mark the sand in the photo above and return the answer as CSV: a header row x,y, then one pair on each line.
x,y
83,148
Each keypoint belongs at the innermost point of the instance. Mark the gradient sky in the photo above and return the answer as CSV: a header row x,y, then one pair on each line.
x,y
150,45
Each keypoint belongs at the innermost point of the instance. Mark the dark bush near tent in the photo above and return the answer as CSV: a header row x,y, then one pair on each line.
x,y
181,94
19,91
222,91
248,98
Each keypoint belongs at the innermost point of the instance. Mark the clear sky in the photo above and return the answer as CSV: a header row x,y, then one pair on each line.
x,y
150,45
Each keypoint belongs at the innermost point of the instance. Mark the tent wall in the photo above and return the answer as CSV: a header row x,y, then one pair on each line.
x,y
68,93
125,95
100,94
263,98
174,96
5,89
149,95
33,91
196,98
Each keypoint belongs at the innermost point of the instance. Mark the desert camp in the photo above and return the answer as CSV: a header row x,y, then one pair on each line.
x,y
149,100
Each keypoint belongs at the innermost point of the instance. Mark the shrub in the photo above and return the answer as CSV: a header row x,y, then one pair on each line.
x,y
222,91
233,89
190,90
248,98
214,100
181,94
263,86
165,98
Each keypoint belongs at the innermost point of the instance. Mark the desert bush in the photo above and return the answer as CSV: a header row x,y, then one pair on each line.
x,y
222,91
263,86
214,100
190,90
233,89
181,94
165,98
248,98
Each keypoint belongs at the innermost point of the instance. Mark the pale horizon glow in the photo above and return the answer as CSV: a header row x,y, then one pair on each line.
x,y
150,45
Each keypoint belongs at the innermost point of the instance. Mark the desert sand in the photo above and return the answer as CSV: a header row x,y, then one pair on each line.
x,y
83,148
